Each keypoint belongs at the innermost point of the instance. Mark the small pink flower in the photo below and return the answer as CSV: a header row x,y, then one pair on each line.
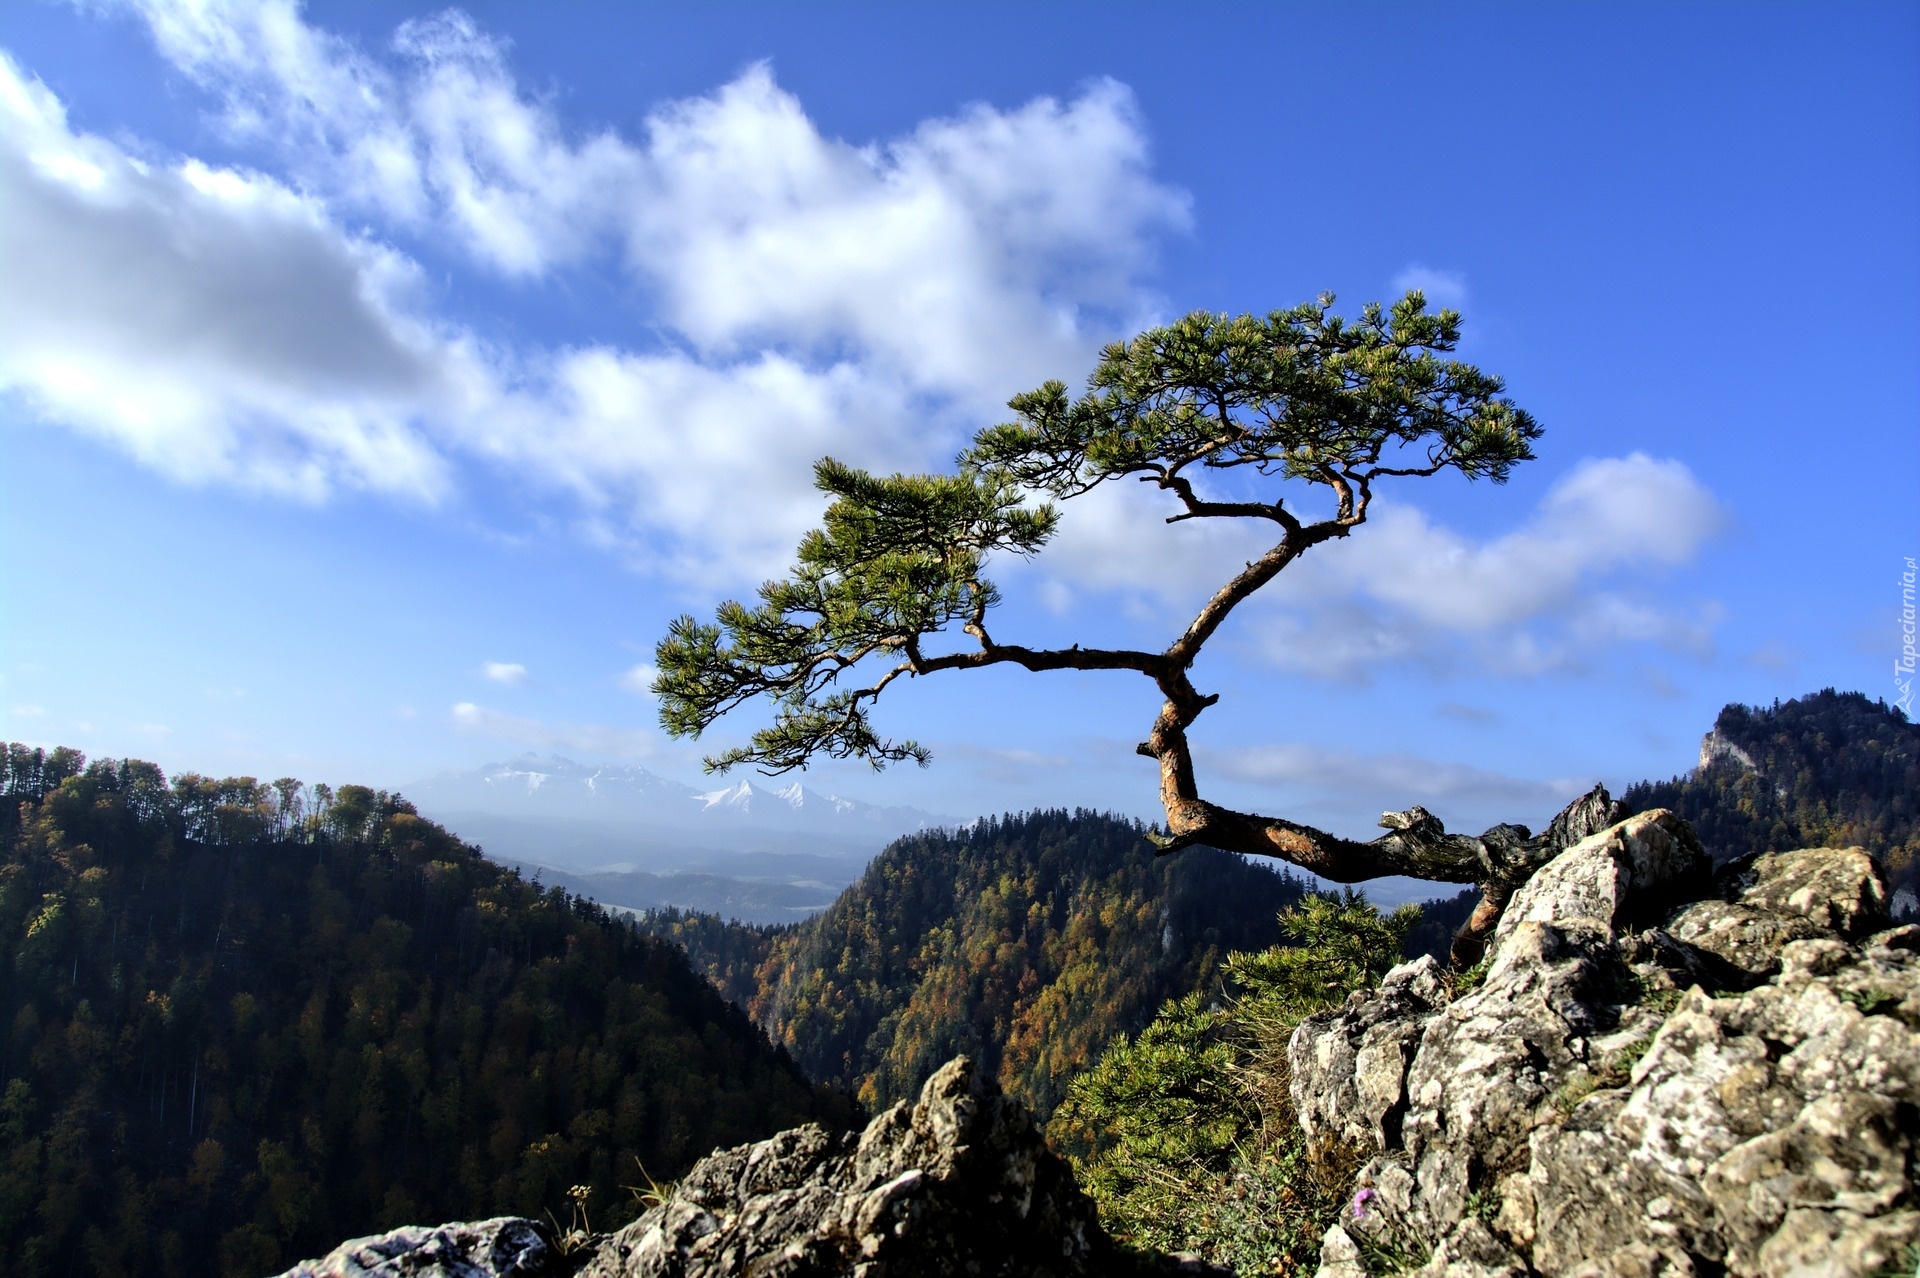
x,y
1360,1203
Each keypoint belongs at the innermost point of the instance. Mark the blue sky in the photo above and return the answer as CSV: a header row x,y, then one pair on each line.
x,y
376,381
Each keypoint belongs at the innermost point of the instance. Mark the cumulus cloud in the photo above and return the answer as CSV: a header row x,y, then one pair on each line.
x,y
1528,601
658,445
811,295
212,323
534,734
504,671
1405,588
640,678
962,255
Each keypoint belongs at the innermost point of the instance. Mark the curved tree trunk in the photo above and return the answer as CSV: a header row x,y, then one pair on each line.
x,y
1416,843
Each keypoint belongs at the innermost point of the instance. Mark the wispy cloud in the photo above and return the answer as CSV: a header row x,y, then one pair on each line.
x,y
1443,288
640,678
509,672
1473,716
1568,581
1776,656
1419,780
534,734
1007,765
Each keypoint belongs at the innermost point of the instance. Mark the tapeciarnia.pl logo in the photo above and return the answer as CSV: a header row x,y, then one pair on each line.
x,y
1903,666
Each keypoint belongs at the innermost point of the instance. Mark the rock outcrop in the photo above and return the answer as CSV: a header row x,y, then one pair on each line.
x,y
959,1183
1661,1073
506,1247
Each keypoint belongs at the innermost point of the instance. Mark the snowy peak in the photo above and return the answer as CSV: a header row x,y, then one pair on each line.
x,y
552,787
735,798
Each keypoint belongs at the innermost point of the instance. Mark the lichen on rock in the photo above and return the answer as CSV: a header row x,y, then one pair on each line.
x,y
1659,1075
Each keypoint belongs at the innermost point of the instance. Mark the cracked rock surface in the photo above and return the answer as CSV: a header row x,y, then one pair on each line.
x,y
505,1247
958,1183
1661,1074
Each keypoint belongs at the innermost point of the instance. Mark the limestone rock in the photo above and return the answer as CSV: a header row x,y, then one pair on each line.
x,y
505,1247
1660,1075
1349,1066
1837,889
1766,902
959,1183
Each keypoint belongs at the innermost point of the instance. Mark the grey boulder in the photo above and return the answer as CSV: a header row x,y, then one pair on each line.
x,y
1658,1076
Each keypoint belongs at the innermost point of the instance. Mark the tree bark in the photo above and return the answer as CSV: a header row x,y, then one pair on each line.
x,y
1416,843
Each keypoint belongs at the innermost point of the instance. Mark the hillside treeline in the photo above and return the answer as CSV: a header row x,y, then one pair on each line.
x,y
246,1021
1028,942
1831,769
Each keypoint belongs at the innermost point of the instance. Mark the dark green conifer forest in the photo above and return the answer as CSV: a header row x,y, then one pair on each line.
x,y
1831,769
1028,942
244,1022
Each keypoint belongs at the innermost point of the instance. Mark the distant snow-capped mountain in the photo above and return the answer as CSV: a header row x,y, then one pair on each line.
x,y
549,787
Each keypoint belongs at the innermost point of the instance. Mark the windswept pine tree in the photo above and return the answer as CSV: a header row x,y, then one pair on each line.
x,y
246,1021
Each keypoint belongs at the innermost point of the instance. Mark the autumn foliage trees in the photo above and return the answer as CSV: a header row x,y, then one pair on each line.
x,y
1028,942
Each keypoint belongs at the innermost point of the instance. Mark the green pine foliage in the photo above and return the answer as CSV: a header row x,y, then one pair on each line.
x,y
244,1022
1185,1134
1028,942
1832,769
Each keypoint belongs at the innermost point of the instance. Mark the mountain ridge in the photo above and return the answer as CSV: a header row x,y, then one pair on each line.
x,y
557,786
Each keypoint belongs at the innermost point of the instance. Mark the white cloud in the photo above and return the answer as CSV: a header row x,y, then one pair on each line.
x,y
1606,513
962,255
1404,779
814,295
532,734
1115,539
640,679
1443,288
504,671
1531,600
969,247
710,467
1403,588
212,323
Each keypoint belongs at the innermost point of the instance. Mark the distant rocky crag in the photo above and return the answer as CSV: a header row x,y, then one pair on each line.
x,y
1659,1069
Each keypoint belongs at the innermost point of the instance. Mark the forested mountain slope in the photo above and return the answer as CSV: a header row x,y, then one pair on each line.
x,y
1030,942
1829,769
1026,942
240,1027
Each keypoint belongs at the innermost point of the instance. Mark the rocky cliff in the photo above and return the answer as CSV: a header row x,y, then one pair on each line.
x,y
1659,1069
959,1183
1661,1072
